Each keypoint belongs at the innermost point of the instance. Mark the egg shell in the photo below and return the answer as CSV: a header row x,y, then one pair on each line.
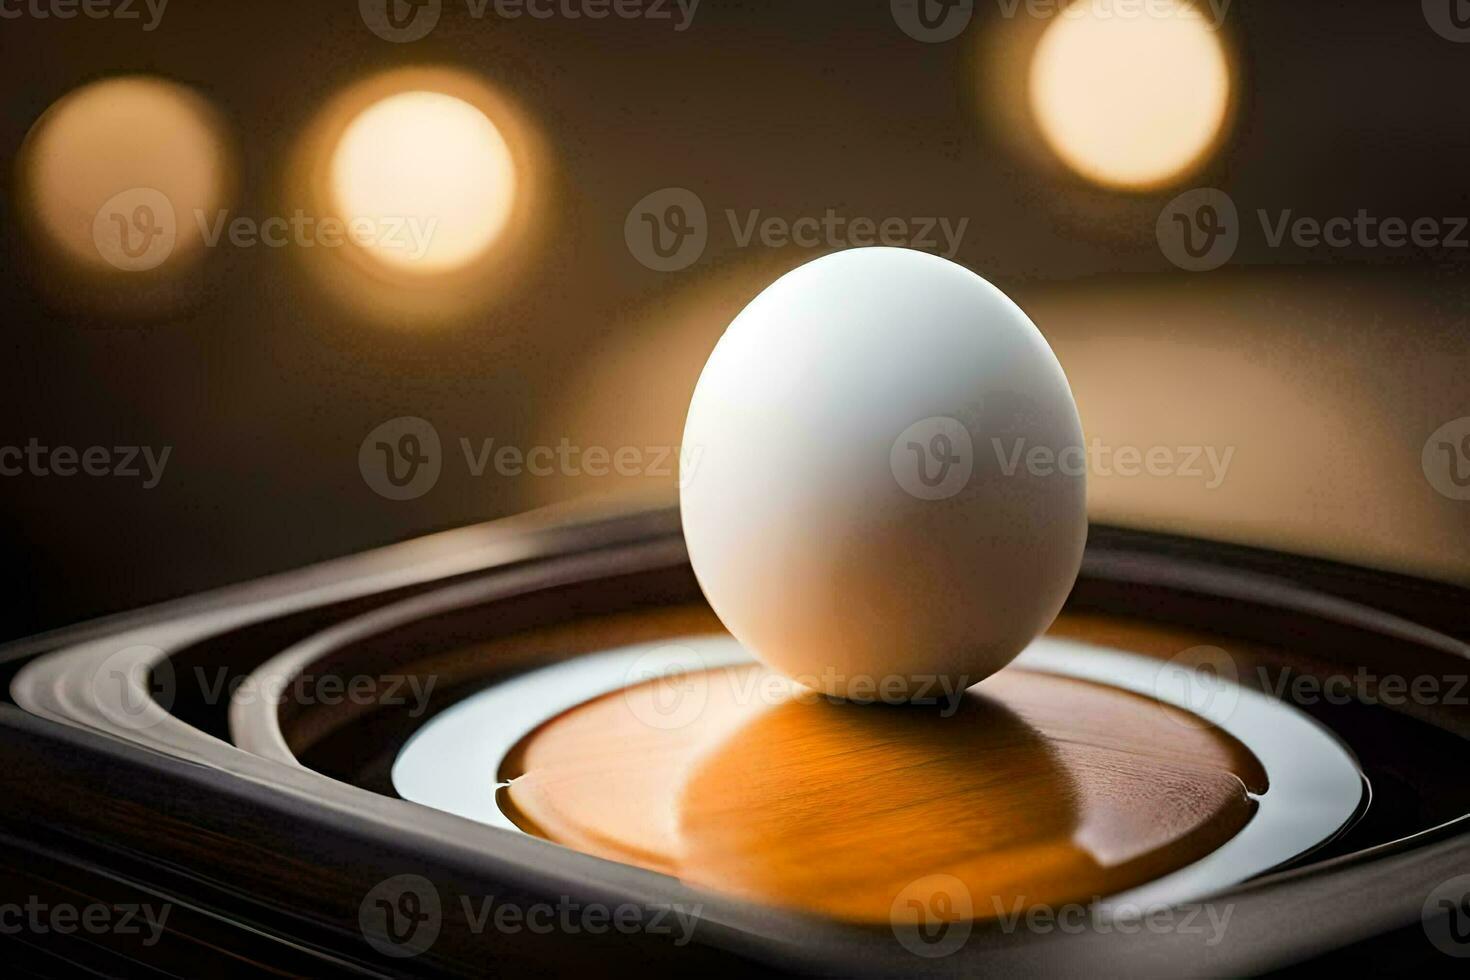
x,y
887,492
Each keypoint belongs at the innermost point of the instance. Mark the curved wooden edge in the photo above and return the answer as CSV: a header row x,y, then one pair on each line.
x,y
409,634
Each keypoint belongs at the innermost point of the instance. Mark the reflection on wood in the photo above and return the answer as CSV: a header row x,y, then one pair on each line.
x,y
1034,789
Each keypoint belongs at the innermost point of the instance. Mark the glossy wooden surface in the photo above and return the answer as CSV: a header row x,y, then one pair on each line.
x,y
1038,789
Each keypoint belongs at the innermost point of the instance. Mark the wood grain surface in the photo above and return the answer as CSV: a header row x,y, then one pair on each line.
x,y
1037,789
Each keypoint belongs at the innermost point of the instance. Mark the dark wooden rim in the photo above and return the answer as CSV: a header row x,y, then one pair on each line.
x,y
1114,576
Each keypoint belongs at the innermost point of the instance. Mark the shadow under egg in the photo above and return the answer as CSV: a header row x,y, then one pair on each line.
x,y
837,807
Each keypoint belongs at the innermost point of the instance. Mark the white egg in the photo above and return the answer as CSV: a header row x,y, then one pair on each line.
x,y
886,498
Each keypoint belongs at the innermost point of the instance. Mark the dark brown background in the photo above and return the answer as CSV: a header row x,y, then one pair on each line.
x,y
1326,369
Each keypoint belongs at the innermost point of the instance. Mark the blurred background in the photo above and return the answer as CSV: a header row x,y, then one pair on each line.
x,y
548,211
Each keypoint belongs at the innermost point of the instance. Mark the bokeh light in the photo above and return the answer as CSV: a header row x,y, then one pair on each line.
x,y
1131,100
116,174
438,180
427,178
